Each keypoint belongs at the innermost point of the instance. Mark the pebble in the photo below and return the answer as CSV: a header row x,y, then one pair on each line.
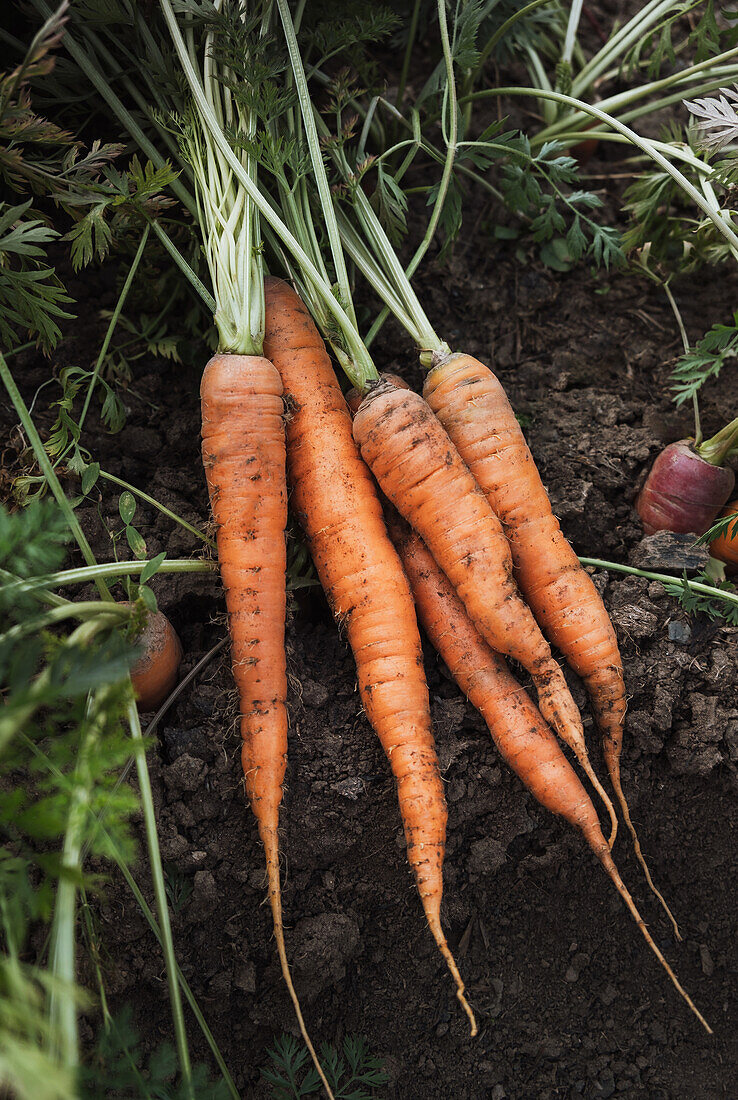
x,y
679,632
351,788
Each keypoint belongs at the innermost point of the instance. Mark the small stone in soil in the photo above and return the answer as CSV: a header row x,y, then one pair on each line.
x,y
679,632
351,788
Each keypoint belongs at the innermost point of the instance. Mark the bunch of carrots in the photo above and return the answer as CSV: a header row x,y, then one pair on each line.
x,y
414,507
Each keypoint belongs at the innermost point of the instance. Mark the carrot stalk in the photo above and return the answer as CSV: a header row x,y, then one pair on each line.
x,y
334,497
472,406
516,726
422,473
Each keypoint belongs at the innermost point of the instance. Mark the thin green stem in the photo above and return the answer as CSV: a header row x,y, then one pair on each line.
x,y
191,1000
63,1007
160,896
360,368
48,471
181,262
451,144
685,344
87,609
662,578
113,323
160,507
572,26
316,158
84,574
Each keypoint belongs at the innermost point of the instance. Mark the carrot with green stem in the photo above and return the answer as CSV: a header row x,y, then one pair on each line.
x,y
522,737
422,800
336,503
244,455
471,404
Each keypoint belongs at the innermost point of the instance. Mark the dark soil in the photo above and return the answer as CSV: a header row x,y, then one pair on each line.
x,y
570,1001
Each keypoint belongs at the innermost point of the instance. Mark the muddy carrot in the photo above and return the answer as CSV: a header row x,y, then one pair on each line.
x,y
335,500
517,728
155,672
471,404
421,472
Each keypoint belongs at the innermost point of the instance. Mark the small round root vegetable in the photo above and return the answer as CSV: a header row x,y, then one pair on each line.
x,y
725,546
155,672
518,730
472,405
336,502
683,491
423,475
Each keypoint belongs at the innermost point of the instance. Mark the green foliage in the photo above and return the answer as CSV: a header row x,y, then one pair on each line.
x,y
704,40
354,1075
31,295
541,187
114,204
714,606
704,361
725,526
121,1066
62,742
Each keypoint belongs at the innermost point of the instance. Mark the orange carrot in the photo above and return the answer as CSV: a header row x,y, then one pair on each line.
x,y
243,452
155,672
472,406
335,500
725,546
421,472
522,737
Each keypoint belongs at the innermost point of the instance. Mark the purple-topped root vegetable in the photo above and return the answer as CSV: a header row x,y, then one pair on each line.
x,y
689,484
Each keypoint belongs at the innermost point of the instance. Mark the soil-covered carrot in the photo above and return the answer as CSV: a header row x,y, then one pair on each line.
x,y
243,441
421,472
155,672
471,403
517,728
335,500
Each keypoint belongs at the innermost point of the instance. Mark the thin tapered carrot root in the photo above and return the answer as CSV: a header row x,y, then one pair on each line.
x,y
334,496
603,854
639,854
437,932
589,771
472,405
271,848
517,727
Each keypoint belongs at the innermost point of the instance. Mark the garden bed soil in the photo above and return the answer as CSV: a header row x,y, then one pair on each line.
x,y
570,1001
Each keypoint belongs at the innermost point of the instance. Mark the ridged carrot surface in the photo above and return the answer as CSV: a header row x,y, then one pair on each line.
x,y
518,730
243,452
335,500
423,475
471,403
